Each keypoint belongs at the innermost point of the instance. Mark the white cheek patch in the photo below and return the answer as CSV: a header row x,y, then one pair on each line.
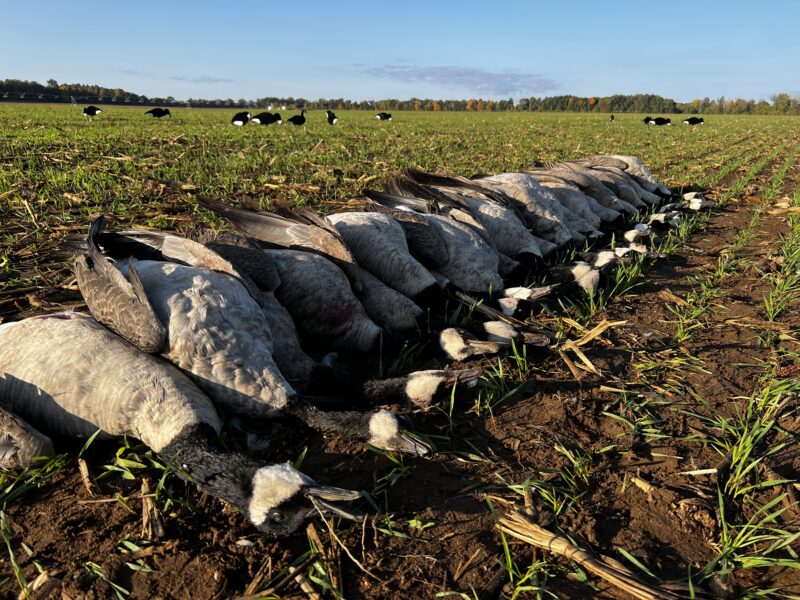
x,y
604,257
383,428
422,386
580,270
271,486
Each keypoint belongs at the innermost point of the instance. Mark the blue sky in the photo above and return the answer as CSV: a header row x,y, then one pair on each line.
x,y
682,49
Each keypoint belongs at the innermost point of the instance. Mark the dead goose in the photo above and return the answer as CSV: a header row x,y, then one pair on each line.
x,y
472,264
639,231
379,244
318,296
588,184
503,226
304,229
614,182
633,166
70,375
543,202
570,195
220,335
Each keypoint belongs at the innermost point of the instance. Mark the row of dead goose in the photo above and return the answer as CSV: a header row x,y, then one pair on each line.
x,y
181,326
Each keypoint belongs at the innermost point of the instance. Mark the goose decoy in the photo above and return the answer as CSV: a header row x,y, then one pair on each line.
x,y
648,120
68,374
660,121
240,119
91,111
611,119
298,119
384,116
158,113
220,336
266,118
331,116
694,121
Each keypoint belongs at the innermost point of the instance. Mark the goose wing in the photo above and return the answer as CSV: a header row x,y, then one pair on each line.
x,y
115,301
281,231
177,249
19,442
403,203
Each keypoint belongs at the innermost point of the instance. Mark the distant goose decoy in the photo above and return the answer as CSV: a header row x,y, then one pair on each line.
x,y
384,116
298,119
158,113
91,111
660,121
331,116
240,119
611,119
694,121
266,118
70,375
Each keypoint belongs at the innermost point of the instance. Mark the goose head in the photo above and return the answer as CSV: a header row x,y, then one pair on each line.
x,y
422,387
283,498
384,432
459,344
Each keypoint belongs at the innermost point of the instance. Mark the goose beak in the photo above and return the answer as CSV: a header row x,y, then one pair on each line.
x,y
328,492
409,445
329,509
465,376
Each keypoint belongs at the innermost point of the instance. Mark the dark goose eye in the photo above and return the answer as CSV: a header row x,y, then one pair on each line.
x,y
276,517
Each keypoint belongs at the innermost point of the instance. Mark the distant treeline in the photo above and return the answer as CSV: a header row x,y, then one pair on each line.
x,y
31,91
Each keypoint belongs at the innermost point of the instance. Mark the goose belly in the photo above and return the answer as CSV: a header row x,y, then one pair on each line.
x,y
217,333
69,375
379,245
508,233
318,296
473,264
